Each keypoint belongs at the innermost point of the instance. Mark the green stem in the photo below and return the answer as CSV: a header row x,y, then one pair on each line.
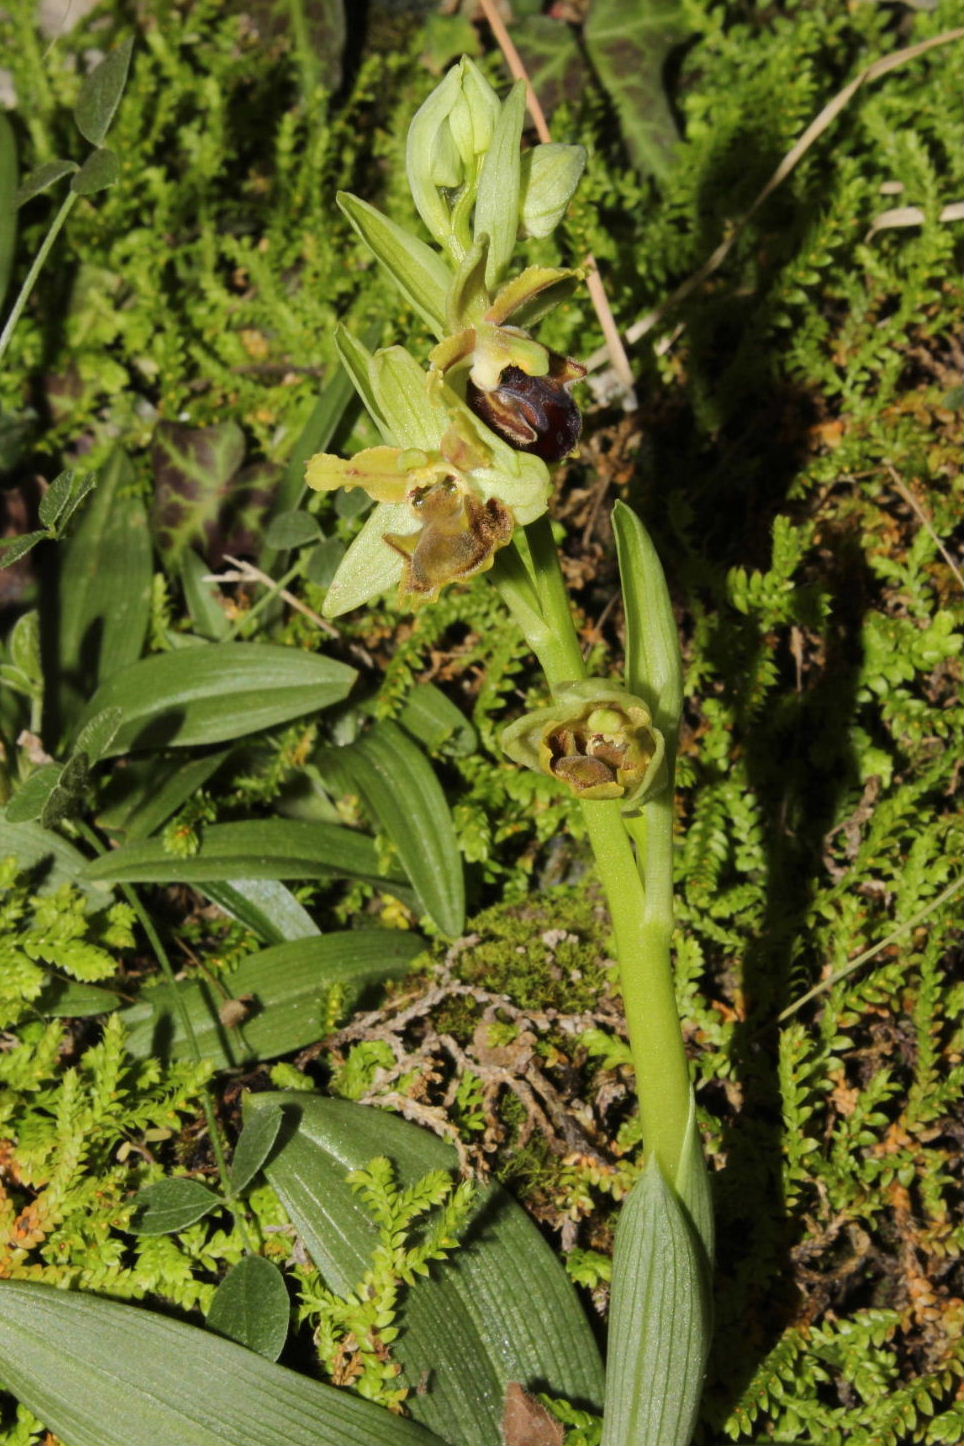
x,y
180,1005
31,277
642,916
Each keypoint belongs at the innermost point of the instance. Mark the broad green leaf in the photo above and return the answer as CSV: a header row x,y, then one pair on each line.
x,y
52,860
141,797
71,999
628,44
100,1373
9,172
251,1306
12,549
218,692
287,988
419,272
500,1309
497,203
265,907
430,716
172,1205
105,586
101,92
654,669
400,789
100,170
252,849
254,1146
31,798
292,529
42,178
659,1321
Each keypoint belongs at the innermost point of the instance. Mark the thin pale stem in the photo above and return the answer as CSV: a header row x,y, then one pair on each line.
x,y
23,295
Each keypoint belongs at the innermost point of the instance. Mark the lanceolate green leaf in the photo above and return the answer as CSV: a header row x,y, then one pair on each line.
x,y
53,860
143,796
99,1373
218,692
654,669
105,586
500,1309
255,849
659,1321
401,790
285,988
419,272
265,907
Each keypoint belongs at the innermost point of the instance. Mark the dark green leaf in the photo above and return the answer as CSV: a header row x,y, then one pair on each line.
x,y
195,471
51,860
203,598
101,93
71,999
219,692
659,1320
292,529
97,734
100,1373
255,849
55,499
286,988
432,718
628,44
401,790
9,172
31,798
81,483
12,549
100,170
251,1306
654,669
500,1309
42,178
144,795
264,906
254,1146
105,586
172,1205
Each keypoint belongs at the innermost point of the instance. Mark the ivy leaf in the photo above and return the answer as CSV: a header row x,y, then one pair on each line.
x,y
628,44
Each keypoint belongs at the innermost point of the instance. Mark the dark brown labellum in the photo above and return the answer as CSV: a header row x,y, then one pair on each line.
x,y
533,414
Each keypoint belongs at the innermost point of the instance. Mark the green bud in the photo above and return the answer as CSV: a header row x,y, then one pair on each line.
x,y
451,130
596,739
550,175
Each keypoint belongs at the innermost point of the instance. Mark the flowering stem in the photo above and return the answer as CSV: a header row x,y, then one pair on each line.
x,y
638,884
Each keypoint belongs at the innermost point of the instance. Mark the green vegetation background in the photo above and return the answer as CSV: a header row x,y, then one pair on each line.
x,y
795,457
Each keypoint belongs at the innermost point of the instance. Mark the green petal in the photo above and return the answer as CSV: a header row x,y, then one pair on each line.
x,y
379,470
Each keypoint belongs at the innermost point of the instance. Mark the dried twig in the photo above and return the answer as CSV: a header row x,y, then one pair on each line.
x,y
921,512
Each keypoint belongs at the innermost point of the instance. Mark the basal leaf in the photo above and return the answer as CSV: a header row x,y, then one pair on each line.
x,y
101,1373
264,906
431,717
217,692
52,859
401,791
283,993
141,797
500,1309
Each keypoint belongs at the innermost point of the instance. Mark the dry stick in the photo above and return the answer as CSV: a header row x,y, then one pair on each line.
x,y
924,519
614,349
815,129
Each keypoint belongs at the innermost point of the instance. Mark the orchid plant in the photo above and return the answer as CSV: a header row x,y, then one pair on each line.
x,y
462,487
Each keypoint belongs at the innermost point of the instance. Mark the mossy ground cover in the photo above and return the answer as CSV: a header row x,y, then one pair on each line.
x,y
795,455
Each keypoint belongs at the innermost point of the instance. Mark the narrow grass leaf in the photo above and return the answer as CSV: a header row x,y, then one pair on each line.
x,y
284,994
659,1325
399,787
500,1309
172,1205
251,1306
101,1373
222,691
70,999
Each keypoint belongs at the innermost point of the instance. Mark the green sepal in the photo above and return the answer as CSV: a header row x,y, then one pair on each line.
x,y
419,272
497,202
